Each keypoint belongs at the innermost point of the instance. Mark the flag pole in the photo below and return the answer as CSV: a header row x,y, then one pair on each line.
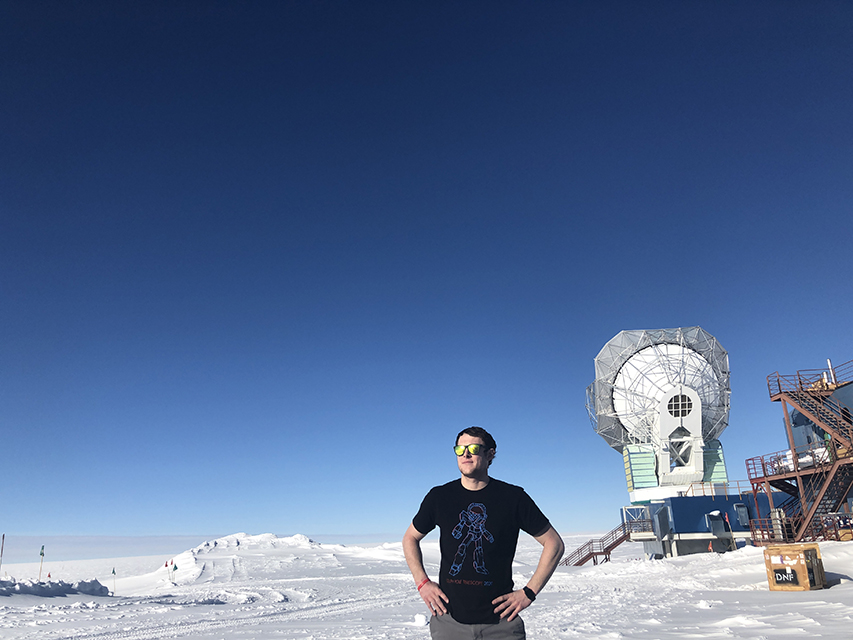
x,y
42,561
2,546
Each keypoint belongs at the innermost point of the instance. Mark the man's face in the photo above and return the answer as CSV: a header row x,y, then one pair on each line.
x,y
471,465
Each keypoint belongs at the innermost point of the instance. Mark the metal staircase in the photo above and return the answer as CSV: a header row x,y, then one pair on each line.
x,y
604,546
828,499
819,476
834,418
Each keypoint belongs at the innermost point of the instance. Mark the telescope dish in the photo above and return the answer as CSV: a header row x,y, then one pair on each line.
x,y
637,370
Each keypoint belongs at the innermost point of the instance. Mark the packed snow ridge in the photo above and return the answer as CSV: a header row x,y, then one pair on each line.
x,y
258,542
52,588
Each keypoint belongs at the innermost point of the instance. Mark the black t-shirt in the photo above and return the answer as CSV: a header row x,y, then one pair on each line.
x,y
479,534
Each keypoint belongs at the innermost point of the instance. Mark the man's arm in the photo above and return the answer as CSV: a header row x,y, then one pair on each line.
x,y
430,592
511,604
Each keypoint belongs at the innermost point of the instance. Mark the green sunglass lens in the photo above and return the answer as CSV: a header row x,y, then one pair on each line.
x,y
473,449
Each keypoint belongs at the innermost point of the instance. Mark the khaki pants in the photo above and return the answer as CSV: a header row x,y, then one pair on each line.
x,y
446,628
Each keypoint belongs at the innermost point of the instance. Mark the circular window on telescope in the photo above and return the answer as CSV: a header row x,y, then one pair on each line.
x,y
680,406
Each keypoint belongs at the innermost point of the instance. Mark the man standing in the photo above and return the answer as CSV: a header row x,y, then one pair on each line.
x,y
479,518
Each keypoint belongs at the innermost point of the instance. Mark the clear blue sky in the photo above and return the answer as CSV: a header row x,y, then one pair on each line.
x,y
259,262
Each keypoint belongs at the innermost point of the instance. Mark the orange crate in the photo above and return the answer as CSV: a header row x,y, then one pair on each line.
x,y
794,567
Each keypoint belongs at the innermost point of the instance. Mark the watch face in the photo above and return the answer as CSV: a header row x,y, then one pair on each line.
x,y
649,375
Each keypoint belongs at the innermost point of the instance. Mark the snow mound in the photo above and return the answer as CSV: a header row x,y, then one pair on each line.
x,y
263,541
243,559
52,588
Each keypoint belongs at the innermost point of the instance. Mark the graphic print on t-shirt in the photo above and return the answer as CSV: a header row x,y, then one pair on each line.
x,y
474,517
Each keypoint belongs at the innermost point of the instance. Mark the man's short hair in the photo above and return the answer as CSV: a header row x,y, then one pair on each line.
x,y
479,432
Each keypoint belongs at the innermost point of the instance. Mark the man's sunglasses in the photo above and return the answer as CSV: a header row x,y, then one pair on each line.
x,y
473,449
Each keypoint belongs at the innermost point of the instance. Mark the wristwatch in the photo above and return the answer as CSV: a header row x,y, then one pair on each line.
x,y
529,593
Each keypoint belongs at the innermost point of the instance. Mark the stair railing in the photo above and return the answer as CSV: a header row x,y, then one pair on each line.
x,y
605,545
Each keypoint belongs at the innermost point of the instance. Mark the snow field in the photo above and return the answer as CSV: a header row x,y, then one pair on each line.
x,y
265,587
